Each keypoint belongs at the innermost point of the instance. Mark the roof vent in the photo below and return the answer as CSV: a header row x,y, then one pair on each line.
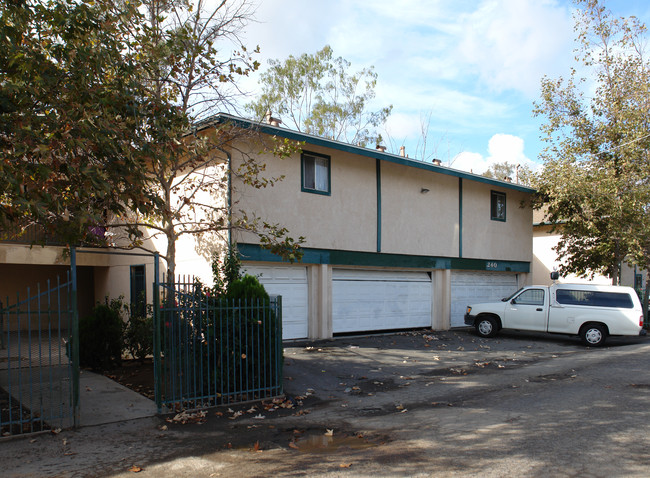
x,y
381,148
402,151
269,119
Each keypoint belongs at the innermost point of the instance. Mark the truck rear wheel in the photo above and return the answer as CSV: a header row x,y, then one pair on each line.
x,y
593,335
486,326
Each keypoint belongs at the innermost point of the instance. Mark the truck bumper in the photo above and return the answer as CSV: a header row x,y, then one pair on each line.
x,y
469,319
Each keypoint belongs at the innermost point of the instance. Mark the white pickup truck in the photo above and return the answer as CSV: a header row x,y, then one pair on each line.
x,y
590,311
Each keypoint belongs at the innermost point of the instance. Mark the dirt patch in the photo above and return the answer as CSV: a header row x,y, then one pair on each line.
x,y
136,375
16,419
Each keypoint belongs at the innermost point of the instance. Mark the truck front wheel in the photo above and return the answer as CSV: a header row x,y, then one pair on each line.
x,y
593,335
486,326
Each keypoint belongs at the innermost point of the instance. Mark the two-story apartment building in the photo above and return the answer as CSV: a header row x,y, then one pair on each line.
x,y
391,243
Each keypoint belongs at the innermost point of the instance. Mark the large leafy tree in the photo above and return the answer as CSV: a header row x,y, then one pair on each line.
x,y
72,118
596,164
510,172
315,94
193,58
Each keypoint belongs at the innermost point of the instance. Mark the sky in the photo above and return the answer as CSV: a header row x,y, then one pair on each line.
x,y
469,69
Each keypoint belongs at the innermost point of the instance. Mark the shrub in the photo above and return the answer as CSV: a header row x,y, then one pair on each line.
x,y
138,335
100,338
248,287
232,343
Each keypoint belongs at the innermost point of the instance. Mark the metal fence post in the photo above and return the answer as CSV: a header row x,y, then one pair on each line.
x,y
75,338
156,334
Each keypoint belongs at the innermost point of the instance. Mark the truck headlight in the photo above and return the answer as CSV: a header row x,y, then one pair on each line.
x,y
469,309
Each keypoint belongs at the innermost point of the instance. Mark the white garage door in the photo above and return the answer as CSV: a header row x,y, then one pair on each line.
x,y
291,284
475,287
380,300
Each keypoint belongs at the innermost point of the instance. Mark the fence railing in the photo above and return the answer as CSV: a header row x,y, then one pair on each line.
x,y
36,373
213,352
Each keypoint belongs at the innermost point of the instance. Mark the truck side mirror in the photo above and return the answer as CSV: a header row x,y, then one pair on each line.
x,y
555,275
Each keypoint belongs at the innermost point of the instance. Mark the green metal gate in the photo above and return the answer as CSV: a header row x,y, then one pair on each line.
x,y
39,366
211,352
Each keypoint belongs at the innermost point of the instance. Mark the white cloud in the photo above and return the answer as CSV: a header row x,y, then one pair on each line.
x,y
501,148
513,43
470,162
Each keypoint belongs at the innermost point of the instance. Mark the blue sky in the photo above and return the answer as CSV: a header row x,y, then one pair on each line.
x,y
470,69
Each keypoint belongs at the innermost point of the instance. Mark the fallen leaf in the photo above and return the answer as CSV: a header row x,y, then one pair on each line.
x,y
345,465
135,469
259,417
293,445
329,432
256,447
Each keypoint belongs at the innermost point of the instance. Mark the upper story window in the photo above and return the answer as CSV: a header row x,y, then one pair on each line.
x,y
498,206
315,173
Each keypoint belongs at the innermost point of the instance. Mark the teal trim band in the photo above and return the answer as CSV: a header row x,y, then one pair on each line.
x,y
487,265
460,217
378,205
254,252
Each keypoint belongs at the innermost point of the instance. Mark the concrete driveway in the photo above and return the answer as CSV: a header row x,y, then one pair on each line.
x,y
412,404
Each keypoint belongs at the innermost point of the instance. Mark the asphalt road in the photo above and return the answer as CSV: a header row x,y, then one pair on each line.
x,y
413,404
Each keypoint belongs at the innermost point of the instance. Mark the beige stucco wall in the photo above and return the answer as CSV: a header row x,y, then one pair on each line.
x,y
344,220
484,238
414,222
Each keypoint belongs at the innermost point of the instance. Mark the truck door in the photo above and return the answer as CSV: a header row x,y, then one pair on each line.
x,y
527,311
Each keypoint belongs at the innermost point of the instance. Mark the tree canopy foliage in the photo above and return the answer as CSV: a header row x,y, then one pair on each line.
x,y
506,171
100,104
596,160
73,118
315,94
194,60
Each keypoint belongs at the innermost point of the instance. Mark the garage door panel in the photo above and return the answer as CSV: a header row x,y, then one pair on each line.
x,y
380,300
475,287
291,284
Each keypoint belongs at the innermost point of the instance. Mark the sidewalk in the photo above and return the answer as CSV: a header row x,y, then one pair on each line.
x,y
103,401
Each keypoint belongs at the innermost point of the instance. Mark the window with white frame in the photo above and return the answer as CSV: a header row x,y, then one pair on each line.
x,y
315,173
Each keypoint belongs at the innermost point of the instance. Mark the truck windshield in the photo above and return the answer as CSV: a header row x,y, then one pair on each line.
x,y
506,299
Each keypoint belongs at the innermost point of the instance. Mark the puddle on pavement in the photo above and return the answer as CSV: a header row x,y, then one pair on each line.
x,y
330,444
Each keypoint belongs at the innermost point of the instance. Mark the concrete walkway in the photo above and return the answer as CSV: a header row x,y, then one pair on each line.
x,y
103,401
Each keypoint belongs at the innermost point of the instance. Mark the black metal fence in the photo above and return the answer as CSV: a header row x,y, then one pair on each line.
x,y
211,352
38,379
